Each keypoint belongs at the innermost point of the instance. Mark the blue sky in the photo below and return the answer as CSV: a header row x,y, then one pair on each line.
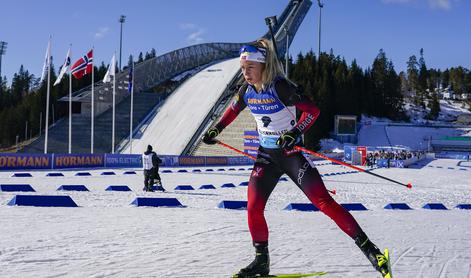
x,y
353,29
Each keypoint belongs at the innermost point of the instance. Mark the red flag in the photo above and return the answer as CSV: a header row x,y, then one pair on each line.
x,y
83,66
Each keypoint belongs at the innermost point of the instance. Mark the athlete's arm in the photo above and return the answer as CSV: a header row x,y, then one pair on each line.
x,y
290,95
231,113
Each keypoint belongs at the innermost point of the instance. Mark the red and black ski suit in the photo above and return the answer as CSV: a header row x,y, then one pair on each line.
x,y
273,108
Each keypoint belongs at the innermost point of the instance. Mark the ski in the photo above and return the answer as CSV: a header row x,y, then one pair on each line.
x,y
293,275
386,254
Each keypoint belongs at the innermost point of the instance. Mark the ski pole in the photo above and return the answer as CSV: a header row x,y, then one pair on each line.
x,y
253,157
236,150
409,185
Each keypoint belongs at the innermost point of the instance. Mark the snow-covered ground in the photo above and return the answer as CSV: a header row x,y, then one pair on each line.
x,y
107,237
185,109
449,111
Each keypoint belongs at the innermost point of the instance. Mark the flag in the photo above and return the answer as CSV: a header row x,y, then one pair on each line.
x,y
111,70
131,69
83,66
64,68
47,61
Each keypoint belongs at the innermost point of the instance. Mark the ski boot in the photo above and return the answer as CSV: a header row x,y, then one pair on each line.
x,y
374,255
159,186
260,265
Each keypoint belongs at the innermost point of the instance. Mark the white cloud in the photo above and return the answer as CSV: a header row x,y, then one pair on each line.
x,y
445,5
102,31
440,4
196,33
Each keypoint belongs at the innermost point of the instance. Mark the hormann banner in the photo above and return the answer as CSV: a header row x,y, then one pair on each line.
x,y
63,161
94,161
13,161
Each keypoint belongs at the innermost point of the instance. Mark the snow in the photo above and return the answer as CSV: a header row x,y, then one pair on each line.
x,y
107,237
185,109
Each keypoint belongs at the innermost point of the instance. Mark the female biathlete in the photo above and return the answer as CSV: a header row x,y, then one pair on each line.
x,y
273,101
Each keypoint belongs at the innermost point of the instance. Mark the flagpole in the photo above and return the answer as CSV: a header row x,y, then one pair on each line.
x,y
132,106
48,92
70,102
112,70
93,101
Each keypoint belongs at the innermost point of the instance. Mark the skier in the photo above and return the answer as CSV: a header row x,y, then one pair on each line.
x,y
150,163
273,100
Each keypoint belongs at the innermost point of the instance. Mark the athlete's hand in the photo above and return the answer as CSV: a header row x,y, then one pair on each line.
x,y
288,140
210,135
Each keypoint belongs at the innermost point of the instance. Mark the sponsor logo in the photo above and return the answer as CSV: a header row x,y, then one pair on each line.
x,y
302,171
261,101
257,172
306,122
280,132
266,121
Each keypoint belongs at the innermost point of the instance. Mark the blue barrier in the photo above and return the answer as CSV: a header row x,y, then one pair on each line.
x,y
434,206
54,175
209,170
42,201
221,169
109,173
83,174
207,186
283,179
16,187
156,202
231,169
228,185
184,187
244,183
21,175
196,171
301,207
402,206
118,188
233,204
73,187
241,169
182,171
354,206
167,171
130,173
463,206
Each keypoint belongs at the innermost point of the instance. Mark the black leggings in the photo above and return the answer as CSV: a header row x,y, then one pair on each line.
x,y
267,170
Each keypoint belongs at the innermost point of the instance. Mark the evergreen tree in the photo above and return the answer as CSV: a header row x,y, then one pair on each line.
x,y
140,58
153,53
434,107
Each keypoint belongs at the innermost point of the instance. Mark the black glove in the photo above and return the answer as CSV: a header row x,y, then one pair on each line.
x,y
288,140
210,135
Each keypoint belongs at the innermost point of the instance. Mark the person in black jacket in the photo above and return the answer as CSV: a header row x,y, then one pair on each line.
x,y
150,163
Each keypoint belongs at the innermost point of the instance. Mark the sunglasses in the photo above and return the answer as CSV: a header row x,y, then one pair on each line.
x,y
253,49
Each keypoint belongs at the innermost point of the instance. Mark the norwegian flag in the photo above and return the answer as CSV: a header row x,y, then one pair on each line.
x,y
83,66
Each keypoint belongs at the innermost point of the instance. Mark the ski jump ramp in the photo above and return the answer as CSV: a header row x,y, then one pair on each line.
x,y
179,117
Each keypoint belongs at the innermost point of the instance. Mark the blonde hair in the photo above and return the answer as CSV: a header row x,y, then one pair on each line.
x,y
273,66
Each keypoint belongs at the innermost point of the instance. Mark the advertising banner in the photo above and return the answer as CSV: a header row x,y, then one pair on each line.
x,y
14,161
